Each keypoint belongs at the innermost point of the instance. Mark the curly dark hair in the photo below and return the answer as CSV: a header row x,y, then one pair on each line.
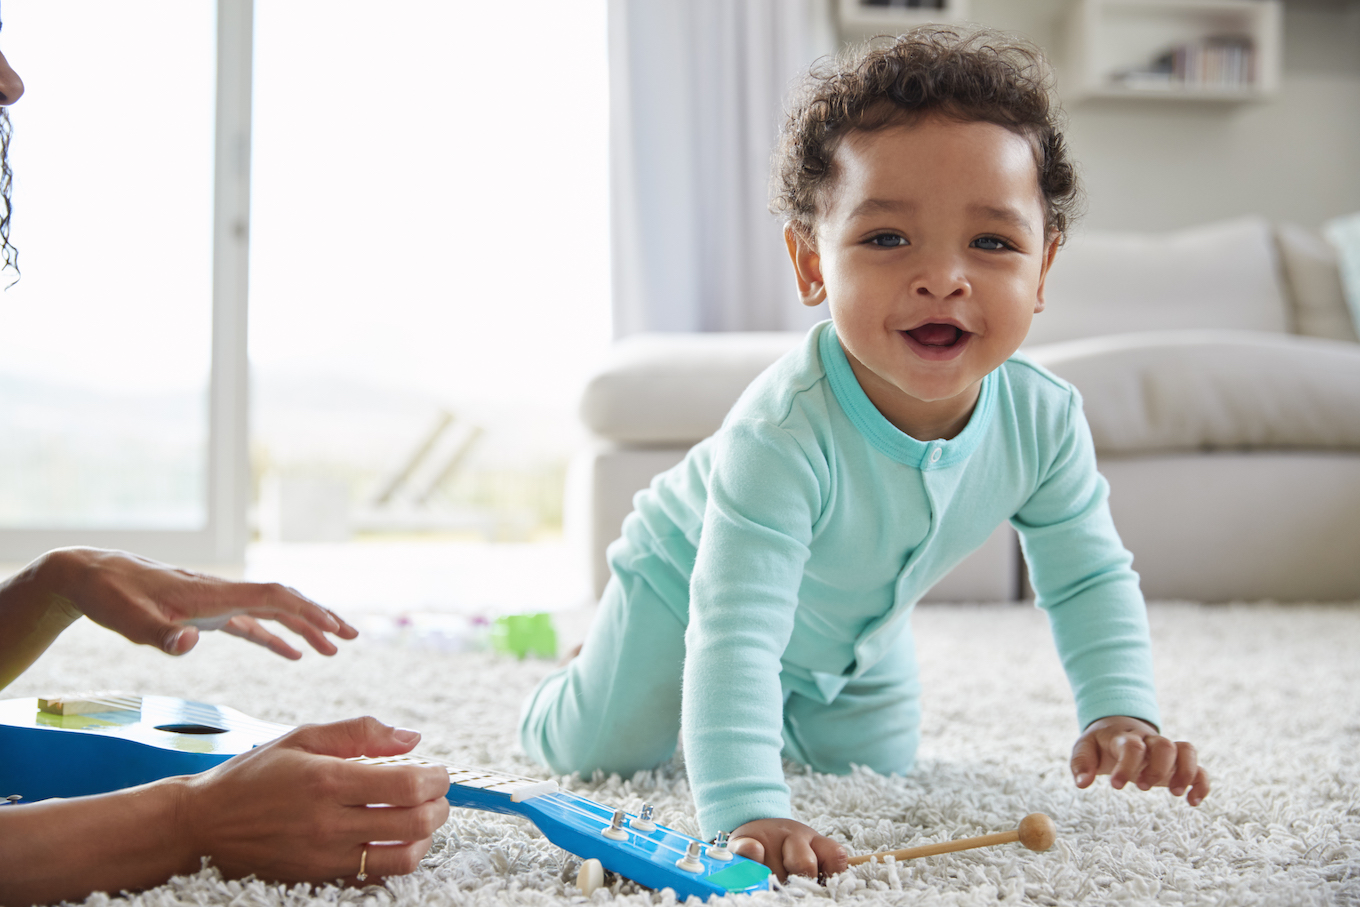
x,y
9,255
971,75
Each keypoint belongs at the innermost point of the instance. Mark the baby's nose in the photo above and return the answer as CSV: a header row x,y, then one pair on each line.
x,y
940,283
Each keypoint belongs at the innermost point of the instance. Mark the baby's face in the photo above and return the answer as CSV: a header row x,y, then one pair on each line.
x,y
932,254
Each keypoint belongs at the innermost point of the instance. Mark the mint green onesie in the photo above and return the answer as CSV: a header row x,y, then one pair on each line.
x,y
761,592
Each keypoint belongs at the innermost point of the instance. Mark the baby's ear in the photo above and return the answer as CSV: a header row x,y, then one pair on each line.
x,y
1050,251
807,265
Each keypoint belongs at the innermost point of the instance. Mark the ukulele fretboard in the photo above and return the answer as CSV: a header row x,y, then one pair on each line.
x,y
518,788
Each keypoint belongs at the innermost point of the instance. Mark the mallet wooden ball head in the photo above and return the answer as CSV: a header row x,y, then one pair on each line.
x,y
1037,832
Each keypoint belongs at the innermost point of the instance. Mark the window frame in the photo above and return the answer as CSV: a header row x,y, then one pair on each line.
x,y
222,539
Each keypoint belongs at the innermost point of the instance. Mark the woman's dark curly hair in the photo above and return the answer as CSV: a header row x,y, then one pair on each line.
x,y
9,255
975,75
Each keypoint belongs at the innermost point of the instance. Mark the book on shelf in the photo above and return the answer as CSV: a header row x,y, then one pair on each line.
x,y
903,4
1215,62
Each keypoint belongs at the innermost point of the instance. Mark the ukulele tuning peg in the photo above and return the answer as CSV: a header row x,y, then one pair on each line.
x,y
614,830
644,821
590,877
718,849
690,862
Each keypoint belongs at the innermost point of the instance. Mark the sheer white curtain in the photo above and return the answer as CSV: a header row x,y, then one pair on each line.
x,y
697,91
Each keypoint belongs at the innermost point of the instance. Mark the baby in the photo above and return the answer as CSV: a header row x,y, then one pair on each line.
x,y
761,593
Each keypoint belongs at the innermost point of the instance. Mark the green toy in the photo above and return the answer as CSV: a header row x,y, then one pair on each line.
x,y
523,634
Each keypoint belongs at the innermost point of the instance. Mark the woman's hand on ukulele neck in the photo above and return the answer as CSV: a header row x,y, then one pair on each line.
x,y
296,810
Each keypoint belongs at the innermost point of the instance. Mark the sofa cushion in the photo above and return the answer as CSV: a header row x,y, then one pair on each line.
x,y
1198,390
1313,273
1343,233
1220,275
675,388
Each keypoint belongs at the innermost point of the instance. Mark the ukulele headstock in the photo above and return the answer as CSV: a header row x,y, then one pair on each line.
x,y
642,849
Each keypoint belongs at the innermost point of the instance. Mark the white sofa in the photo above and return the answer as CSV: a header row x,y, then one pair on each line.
x,y
1221,374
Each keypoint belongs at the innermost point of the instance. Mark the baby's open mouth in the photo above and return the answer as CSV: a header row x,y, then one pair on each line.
x,y
933,334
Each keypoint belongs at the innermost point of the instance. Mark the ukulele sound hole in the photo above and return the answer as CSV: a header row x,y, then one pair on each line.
x,y
190,729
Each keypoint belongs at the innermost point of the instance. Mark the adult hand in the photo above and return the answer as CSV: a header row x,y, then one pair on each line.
x,y
295,810
163,606
1129,749
788,847
291,810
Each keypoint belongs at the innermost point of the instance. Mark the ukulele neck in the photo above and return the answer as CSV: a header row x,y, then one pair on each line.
x,y
517,789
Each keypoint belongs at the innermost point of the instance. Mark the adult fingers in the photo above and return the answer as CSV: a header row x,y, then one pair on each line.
x,y
1129,751
358,784
391,823
315,636
179,640
346,631
382,860
1160,763
267,600
798,856
366,736
312,623
1187,768
1085,760
205,596
249,628
300,613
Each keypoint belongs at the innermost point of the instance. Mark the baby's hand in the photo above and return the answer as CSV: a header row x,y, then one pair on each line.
x,y
1128,749
787,847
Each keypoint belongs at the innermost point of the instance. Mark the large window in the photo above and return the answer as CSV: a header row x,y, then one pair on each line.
x,y
107,341
429,248
422,189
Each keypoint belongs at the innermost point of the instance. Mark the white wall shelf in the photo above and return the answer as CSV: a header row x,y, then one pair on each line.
x,y
861,19
1212,50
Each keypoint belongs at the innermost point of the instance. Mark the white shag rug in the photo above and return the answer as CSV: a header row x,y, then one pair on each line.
x,y
1269,693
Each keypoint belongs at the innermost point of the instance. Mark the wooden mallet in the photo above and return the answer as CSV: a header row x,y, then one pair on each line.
x,y
1036,832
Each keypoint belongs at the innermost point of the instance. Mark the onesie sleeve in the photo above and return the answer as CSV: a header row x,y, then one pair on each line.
x,y
763,499
1083,579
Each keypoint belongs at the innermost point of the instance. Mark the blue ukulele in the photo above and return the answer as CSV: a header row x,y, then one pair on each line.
x,y
94,743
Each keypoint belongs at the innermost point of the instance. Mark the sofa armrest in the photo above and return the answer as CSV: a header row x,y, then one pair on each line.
x,y
675,389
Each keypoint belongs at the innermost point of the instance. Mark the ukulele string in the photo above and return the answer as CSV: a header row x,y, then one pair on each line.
x,y
663,844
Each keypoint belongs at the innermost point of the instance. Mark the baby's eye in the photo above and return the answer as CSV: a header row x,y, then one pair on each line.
x,y
888,241
990,243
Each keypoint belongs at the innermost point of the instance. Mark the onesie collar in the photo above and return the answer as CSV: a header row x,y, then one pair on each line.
x,y
886,437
